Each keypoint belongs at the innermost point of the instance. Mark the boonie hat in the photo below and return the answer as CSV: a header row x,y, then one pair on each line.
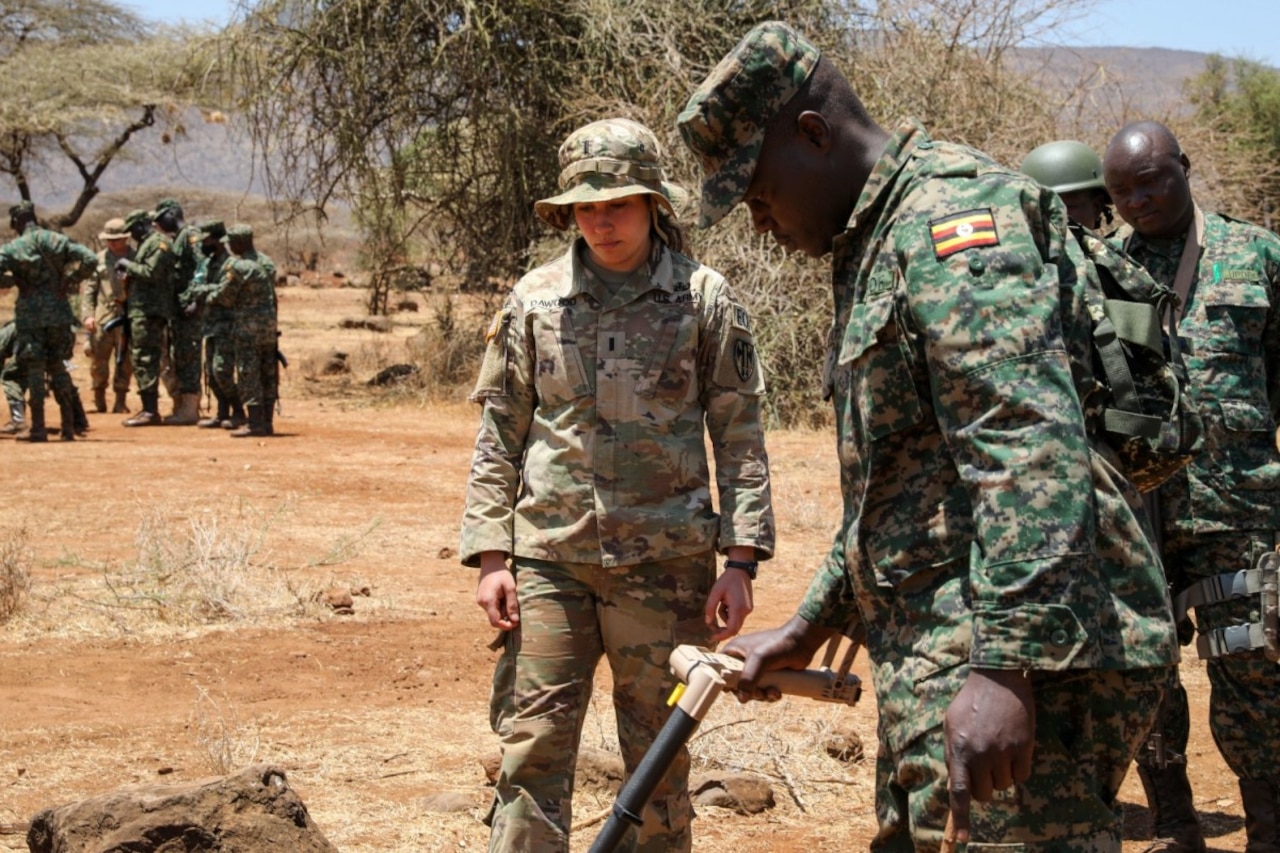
x,y
725,119
114,229
605,160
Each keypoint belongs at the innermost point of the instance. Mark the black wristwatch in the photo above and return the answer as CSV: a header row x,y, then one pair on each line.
x,y
748,567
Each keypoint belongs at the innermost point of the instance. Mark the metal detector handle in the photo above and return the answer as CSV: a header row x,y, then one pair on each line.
x,y
694,663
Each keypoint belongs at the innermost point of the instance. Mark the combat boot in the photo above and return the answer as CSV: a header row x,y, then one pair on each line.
x,y
269,416
237,418
186,411
150,414
121,406
215,420
100,400
17,424
255,426
79,418
1260,821
35,412
1175,824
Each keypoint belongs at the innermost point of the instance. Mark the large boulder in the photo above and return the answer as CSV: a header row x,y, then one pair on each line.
x,y
250,811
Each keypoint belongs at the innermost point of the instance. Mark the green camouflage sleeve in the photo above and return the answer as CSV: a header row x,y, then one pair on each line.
x,y
732,392
153,262
829,602
1006,402
1269,251
504,390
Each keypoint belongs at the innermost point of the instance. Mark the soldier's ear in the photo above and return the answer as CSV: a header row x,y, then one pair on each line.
x,y
815,129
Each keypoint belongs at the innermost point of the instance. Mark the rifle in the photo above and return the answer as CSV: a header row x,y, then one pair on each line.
x,y
704,675
126,336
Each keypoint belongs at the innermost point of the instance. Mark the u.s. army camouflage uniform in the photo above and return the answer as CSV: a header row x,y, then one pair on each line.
x,y
102,297
590,470
982,528
1223,510
151,306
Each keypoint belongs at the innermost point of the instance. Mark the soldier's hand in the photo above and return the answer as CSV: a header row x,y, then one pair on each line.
x,y
496,592
990,730
191,310
90,325
791,646
728,604
122,266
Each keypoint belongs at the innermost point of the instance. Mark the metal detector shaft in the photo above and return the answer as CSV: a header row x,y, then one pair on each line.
x,y
705,675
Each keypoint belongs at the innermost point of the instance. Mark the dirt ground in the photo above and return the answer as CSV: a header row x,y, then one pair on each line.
x,y
170,632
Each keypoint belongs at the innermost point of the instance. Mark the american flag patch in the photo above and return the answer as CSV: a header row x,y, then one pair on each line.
x,y
961,231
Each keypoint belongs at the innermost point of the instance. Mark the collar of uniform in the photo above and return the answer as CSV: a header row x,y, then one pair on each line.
x,y
908,136
582,281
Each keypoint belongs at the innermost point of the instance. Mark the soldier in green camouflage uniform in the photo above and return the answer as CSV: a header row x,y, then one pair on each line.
x,y
217,323
604,372
149,284
1074,171
11,380
1220,513
246,286
991,557
46,267
184,331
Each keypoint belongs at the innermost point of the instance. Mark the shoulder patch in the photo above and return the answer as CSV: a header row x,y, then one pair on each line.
x,y
966,230
741,318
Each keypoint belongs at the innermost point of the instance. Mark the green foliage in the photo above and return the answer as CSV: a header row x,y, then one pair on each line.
x,y
1238,110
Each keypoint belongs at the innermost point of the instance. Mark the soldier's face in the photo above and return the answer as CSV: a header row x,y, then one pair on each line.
x,y
1150,187
1085,206
616,231
791,194
118,246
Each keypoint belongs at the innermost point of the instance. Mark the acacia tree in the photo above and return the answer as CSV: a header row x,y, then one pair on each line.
x,y
79,79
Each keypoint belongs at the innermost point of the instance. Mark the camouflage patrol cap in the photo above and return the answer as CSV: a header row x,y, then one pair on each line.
x,y
725,119
165,205
136,218
605,160
114,229
213,228
22,209
240,231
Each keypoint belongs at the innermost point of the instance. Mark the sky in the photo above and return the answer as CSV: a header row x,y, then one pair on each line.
x,y
1231,27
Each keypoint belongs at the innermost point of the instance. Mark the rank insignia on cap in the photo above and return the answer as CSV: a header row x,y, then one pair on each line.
x,y
961,231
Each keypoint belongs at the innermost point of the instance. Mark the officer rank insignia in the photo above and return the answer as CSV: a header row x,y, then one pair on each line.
x,y
959,231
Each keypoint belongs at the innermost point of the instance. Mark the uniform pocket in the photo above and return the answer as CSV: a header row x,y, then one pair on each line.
x,y
558,372
876,363
1235,315
669,370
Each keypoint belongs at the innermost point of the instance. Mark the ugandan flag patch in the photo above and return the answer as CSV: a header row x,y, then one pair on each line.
x,y
960,231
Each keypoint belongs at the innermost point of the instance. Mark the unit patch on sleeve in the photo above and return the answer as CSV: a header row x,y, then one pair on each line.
x,y
960,231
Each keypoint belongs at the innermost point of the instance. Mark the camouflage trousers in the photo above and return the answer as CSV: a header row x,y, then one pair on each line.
x,y
103,347
11,378
257,374
147,343
220,365
571,615
185,340
1089,726
41,352
1244,689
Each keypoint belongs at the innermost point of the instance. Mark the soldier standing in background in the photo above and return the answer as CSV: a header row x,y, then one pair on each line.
x,y
102,301
46,267
184,330
11,381
991,556
246,288
1222,512
149,285
217,326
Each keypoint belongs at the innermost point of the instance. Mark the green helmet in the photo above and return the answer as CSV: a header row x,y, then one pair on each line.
x,y
1065,166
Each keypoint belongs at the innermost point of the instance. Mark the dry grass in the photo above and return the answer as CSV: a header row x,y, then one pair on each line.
x,y
15,574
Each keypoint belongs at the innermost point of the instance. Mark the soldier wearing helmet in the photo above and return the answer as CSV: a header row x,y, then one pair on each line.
x,y
1074,171
589,511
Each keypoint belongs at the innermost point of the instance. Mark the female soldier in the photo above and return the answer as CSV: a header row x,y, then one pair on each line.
x,y
589,510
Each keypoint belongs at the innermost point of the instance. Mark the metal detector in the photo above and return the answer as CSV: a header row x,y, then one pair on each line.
x,y
704,675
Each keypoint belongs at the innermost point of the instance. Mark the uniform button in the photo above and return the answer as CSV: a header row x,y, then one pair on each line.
x,y
977,265
1059,637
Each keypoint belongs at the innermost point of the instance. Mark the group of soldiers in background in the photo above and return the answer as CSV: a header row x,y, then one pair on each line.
x,y
161,302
